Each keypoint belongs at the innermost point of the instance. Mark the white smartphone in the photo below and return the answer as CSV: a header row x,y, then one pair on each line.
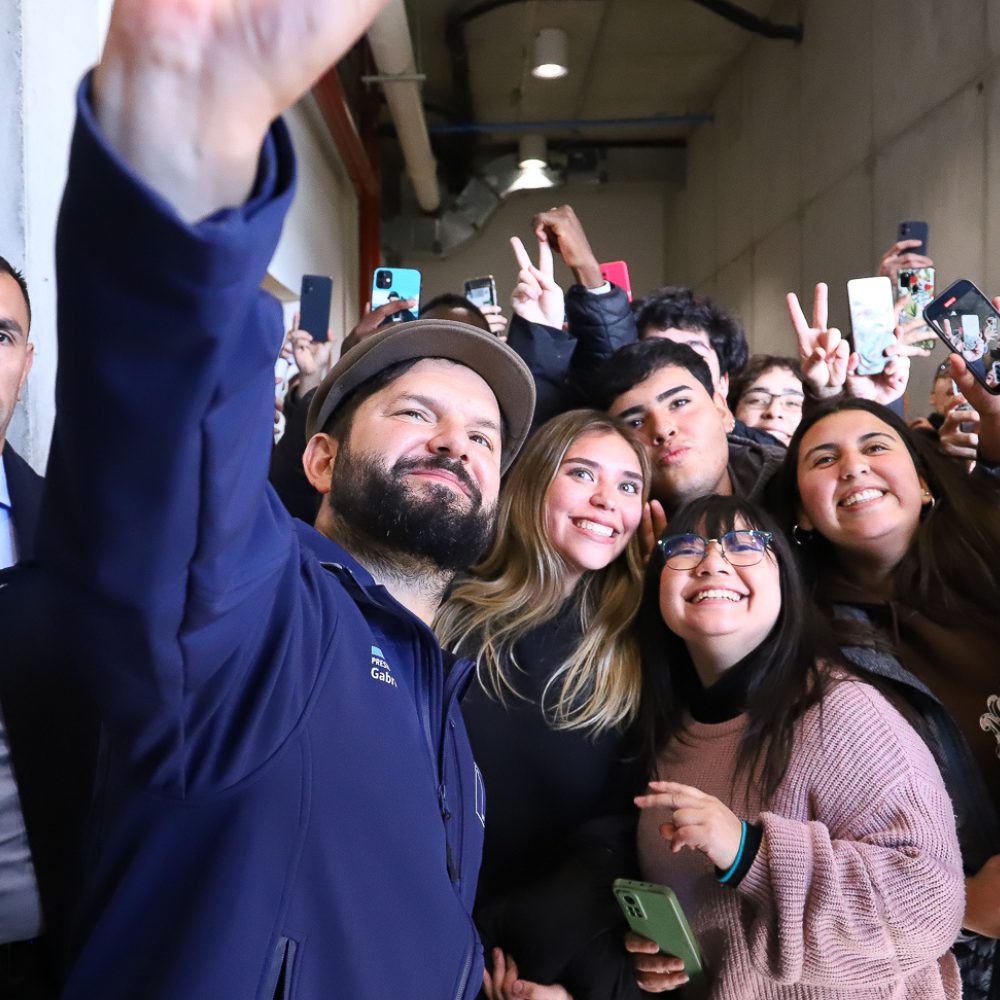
x,y
873,322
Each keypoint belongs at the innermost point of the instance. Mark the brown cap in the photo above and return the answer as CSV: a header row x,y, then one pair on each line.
x,y
502,370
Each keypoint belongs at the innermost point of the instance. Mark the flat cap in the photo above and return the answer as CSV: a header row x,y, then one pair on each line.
x,y
500,367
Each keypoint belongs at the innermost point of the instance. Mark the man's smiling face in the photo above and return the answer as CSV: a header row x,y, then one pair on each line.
x,y
15,351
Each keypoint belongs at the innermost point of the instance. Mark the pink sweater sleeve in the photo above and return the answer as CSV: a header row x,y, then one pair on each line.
x,y
873,886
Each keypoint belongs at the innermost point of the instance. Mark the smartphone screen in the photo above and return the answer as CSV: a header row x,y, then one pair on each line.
x,y
481,291
919,284
873,322
314,305
395,284
969,325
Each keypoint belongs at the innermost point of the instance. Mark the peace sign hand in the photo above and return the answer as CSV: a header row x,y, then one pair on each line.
x,y
536,296
823,352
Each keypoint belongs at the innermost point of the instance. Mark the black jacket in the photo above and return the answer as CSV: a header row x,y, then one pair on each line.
x,y
564,362
52,728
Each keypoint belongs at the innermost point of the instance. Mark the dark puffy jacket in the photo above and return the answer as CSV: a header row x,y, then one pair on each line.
x,y
978,826
564,362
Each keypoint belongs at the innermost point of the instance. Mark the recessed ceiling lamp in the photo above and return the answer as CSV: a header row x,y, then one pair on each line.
x,y
551,54
532,152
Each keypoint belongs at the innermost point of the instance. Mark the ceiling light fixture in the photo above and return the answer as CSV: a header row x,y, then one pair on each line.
x,y
550,60
532,152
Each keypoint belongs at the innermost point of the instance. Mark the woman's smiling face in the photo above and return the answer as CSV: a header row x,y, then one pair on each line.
x,y
858,486
720,608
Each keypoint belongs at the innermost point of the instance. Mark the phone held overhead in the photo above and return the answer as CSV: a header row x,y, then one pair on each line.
x,y
873,322
965,319
314,305
397,284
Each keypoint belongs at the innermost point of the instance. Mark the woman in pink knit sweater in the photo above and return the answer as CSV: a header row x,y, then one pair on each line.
x,y
801,821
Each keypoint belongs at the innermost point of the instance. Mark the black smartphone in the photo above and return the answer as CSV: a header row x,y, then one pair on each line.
x,y
481,291
966,321
314,305
914,230
653,911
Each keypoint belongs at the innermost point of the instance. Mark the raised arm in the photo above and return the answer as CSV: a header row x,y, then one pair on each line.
x,y
168,549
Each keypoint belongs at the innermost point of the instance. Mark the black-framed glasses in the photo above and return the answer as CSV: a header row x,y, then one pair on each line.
x,y
760,399
742,547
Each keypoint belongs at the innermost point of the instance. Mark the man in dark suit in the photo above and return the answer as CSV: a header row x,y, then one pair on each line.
x,y
20,485
45,731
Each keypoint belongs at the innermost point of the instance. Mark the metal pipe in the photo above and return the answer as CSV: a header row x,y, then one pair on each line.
x,y
392,49
572,123
751,22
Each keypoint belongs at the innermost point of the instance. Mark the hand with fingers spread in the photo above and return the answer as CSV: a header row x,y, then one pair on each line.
x,y
185,92
504,982
887,385
373,320
654,971
823,352
536,296
700,822
901,255
563,231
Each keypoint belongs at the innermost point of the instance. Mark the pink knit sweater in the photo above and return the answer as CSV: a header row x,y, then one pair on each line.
x,y
857,890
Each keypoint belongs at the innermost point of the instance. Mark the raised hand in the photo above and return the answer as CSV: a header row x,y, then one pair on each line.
x,y
900,255
562,229
652,526
536,296
496,319
700,822
185,91
823,352
311,357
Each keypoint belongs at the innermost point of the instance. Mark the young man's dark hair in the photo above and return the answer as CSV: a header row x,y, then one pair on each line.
x,y
7,268
681,309
445,306
634,363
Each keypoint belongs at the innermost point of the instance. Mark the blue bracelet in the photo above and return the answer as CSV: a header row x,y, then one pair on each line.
x,y
731,870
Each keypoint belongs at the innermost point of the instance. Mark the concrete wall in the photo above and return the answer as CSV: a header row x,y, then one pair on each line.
x,y
886,111
39,71
623,222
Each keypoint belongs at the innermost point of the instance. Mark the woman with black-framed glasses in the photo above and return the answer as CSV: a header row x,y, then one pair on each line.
x,y
800,820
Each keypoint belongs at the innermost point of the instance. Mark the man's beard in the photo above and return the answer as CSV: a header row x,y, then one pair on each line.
x,y
388,518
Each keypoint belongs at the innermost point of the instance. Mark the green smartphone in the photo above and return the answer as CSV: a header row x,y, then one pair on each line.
x,y
654,912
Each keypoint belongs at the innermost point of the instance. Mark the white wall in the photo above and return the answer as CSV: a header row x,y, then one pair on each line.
x,y
886,111
623,222
41,67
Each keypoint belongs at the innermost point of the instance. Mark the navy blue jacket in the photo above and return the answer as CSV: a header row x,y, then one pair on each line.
x,y
286,801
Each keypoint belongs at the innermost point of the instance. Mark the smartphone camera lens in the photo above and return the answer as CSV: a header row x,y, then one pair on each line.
x,y
383,279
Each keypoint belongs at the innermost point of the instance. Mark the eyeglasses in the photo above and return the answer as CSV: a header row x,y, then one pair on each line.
x,y
760,399
739,548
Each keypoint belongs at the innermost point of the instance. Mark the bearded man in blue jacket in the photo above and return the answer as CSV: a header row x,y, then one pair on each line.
x,y
286,805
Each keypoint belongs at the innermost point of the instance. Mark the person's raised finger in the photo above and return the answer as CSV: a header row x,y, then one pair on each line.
x,y
821,305
800,323
545,260
523,260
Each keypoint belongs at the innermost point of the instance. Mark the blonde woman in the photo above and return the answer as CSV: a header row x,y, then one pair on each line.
x,y
547,616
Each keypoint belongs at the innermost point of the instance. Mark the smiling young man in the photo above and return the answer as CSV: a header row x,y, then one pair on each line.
x,y
289,805
665,391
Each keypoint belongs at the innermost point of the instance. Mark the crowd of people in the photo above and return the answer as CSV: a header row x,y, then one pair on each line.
x,y
381,705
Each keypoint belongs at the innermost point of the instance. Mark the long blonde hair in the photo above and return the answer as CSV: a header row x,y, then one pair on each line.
x,y
518,586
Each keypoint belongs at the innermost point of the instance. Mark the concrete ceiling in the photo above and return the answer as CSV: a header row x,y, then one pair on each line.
x,y
628,59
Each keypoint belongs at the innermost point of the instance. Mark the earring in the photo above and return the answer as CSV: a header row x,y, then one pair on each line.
x,y
929,499
801,536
